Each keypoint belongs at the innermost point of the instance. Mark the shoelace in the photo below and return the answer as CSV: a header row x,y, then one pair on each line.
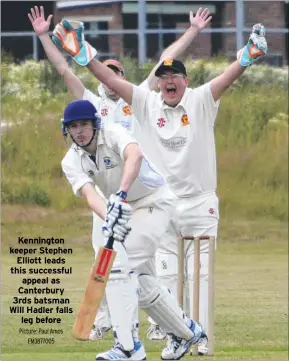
x,y
175,343
118,347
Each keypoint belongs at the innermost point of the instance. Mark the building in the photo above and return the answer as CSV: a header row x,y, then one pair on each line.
x,y
111,15
116,14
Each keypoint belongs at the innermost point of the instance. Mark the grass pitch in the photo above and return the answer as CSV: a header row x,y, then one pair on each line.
x,y
251,288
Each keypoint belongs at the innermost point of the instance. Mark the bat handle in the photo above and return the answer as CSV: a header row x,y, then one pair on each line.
x,y
109,243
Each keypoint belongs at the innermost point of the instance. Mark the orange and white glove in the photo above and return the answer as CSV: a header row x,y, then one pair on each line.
x,y
255,48
68,36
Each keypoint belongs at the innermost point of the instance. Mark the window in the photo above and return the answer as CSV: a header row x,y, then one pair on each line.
x,y
99,41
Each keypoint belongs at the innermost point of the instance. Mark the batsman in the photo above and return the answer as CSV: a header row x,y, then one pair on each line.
x,y
107,155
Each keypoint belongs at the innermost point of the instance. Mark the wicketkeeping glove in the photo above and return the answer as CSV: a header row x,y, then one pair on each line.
x,y
68,36
255,48
117,216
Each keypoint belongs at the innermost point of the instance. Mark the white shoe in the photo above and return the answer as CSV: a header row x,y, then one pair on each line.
x,y
202,346
154,332
177,347
117,353
97,333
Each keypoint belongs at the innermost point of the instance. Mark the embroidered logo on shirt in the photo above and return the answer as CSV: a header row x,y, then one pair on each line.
x,y
173,143
108,163
125,123
168,62
161,122
127,110
104,112
91,173
185,120
211,211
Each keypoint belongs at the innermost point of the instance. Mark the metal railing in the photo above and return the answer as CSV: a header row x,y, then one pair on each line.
x,y
142,55
142,31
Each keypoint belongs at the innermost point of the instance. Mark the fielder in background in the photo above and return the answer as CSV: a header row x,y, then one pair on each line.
x,y
102,155
179,122
112,109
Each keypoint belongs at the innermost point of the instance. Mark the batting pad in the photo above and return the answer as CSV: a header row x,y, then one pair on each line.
x,y
158,303
122,301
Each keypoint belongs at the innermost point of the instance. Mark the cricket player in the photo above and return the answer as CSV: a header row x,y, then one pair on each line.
x,y
136,212
179,121
112,109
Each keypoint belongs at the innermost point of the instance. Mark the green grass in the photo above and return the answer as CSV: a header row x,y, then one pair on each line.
x,y
251,137
251,287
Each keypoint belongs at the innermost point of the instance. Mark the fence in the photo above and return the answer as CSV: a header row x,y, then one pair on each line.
x,y
142,32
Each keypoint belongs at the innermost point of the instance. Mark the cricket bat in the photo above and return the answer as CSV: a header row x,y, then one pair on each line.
x,y
94,291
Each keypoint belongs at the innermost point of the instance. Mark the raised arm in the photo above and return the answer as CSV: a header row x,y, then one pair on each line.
x,y
106,76
255,48
197,24
41,28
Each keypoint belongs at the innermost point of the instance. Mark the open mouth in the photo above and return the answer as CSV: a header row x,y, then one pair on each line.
x,y
171,90
80,139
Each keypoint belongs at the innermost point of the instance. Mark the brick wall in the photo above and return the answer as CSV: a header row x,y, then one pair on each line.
x,y
114,10
271,13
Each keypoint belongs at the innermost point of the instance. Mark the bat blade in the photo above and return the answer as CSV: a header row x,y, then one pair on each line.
x,y
93,294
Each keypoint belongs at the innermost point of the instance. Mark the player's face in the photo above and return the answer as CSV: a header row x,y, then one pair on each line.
x,y
81,131
172,86
109,92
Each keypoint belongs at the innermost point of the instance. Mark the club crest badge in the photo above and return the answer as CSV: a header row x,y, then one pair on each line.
x,y
168,62
185,120
127,110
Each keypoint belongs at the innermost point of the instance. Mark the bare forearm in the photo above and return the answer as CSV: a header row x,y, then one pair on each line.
x,y
131,169
106,76
98,207
221,83
94,200
72,82
53,54
180,45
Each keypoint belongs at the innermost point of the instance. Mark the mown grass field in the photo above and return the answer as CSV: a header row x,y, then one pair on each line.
x,y
251,287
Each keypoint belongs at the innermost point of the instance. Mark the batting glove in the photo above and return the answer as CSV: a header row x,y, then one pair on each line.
x,y
68,36
117,216
255,48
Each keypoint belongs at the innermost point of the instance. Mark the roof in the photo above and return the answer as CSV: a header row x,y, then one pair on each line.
x,y
64,4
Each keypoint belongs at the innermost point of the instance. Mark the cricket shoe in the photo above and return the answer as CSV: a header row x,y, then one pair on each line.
x,y
118,353
177,347
97,333
202,346
154,332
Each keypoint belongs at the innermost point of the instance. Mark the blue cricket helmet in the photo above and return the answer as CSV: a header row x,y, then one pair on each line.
x,y
80,110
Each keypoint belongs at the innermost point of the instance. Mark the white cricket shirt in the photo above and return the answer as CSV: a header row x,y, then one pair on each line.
x,y
119,112
106,171
182,141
